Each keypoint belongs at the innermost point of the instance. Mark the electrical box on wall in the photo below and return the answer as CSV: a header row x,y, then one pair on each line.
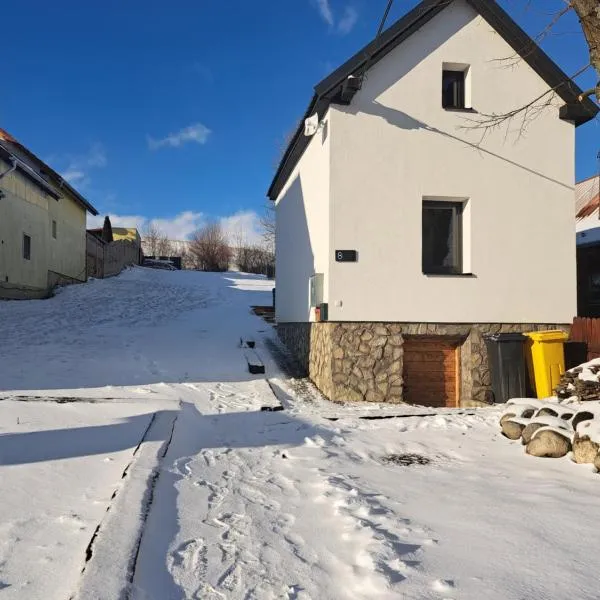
x,y
321,312
316,290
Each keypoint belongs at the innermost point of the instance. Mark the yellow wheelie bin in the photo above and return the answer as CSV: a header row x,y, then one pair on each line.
x,y
546,360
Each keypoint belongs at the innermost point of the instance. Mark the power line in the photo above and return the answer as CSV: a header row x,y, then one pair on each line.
x,y
377,36
384,19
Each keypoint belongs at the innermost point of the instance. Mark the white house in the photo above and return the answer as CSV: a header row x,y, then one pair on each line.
x,y
403,233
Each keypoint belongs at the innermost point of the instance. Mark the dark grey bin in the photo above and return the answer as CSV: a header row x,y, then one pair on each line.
x,y
508,366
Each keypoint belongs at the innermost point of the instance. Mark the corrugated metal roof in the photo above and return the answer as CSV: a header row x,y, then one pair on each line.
x,y
587,203
38,170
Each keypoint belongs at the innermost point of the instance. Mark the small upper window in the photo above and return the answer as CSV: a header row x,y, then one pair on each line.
x,y
54,229
442,237
26,247
453,89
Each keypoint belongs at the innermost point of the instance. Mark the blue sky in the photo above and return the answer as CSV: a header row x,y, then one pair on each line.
x,y
178,111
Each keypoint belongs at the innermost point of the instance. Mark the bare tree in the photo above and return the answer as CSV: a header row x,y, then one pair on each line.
x,y
267,223
238,243
151,239
164,246
210,248
155,242
256,259
588,13
186,257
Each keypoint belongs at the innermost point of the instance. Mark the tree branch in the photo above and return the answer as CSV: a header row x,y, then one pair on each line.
x,y
588,93
489,121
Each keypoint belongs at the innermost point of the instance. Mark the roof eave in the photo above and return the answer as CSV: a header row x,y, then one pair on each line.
x,y
79,198
330,89
24,169
387,41
289,153
579,113
44,169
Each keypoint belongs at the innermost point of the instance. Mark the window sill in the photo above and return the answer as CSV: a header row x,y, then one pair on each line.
x,y
461,275
462,110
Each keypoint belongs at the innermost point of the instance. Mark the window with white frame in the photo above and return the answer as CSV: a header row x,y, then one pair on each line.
x,y
442,237
456,86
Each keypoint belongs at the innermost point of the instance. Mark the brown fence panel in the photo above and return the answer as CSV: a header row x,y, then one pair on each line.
x,y
108,259
587,330
94,256
120,254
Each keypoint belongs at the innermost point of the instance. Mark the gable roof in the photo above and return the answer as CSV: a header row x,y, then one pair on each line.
x,y
340,86
38,171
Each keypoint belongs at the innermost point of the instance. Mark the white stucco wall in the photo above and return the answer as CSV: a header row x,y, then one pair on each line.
x,y
26,209
395,144
302,230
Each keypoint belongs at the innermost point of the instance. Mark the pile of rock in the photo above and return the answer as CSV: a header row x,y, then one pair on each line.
x,y
582,382
553,429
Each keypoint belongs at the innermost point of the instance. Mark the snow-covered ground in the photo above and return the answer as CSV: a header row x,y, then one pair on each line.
x,y
220,500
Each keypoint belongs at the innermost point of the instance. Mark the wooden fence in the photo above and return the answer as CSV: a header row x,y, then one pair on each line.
x,y
587,330
107,259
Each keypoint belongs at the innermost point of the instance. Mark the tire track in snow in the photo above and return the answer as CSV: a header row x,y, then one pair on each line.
x,y
89,551
146,507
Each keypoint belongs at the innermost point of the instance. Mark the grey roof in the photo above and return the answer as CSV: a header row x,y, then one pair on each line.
x,y
38,171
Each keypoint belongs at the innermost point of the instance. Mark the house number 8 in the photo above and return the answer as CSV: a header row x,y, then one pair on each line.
x,y
346,255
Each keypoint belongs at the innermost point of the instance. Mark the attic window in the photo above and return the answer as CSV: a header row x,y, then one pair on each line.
x,y
456,83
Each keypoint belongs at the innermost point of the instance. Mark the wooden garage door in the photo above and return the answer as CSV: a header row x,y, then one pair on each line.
x,y
431,371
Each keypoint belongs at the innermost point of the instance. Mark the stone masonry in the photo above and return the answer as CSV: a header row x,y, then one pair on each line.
x,y
364,361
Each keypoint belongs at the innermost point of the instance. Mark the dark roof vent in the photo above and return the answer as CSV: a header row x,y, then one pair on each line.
x,y
348,90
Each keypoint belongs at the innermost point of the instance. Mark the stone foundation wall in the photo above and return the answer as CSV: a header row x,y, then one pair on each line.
x,y
297,337
364,361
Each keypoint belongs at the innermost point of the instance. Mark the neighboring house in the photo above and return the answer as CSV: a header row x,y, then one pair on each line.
x,y
42,225
587,225
403,234
587,215
110,249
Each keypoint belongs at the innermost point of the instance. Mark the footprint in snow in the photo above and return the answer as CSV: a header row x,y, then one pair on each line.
x,y
443,586
191,556
231,579
296,592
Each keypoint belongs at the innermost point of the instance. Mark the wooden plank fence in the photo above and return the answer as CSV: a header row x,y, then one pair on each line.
x,y
587,330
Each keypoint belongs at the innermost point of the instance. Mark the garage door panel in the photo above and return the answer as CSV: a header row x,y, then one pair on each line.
x,y
433,377
430,371
419,355
448,366
440,389
427,399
